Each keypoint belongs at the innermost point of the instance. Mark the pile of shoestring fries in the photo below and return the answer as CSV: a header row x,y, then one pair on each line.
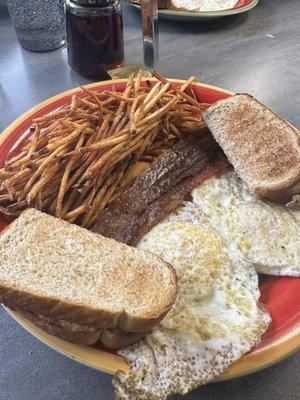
x,y
79,157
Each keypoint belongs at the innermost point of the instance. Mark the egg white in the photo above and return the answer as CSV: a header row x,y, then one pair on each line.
x,y
216,317
204,5
267,234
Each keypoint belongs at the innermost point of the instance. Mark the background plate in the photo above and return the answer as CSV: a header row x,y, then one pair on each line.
x,y
190,16
281,295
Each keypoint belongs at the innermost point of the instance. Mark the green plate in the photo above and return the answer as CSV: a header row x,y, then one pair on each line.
x,y
190,16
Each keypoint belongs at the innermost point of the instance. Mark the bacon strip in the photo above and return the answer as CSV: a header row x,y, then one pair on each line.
x,y
161,188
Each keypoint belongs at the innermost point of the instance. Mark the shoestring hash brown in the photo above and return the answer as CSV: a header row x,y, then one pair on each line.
x,y
79,157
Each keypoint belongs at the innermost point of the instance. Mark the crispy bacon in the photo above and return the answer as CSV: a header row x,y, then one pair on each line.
x,y
161,188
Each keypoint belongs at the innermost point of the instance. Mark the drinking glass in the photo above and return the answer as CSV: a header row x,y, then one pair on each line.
x,y
39,24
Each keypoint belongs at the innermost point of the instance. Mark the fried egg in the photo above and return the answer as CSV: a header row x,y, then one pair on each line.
x,y
267,234
204,5
216,317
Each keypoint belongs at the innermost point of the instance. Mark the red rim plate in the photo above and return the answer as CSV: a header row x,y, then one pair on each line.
x,y
281,295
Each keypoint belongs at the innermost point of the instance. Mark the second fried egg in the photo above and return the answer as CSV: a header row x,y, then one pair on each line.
x,y
267,234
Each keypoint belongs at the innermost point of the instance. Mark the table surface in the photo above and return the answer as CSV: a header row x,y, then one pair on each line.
x,y
258,53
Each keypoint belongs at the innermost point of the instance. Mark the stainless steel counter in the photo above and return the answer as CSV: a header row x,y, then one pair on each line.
x,y
259,53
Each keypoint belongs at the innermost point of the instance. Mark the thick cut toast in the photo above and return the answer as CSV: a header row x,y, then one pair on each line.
x,y
263,148
62,271
74,336
80,334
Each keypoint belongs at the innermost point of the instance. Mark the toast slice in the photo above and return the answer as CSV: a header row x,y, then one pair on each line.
x,y
80,334
118,339
75,336
62,271
263,148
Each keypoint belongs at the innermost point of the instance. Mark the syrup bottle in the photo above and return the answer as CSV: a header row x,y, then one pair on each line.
x,y
95,36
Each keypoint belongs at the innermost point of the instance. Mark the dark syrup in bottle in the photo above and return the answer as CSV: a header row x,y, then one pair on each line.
x,y
95,37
